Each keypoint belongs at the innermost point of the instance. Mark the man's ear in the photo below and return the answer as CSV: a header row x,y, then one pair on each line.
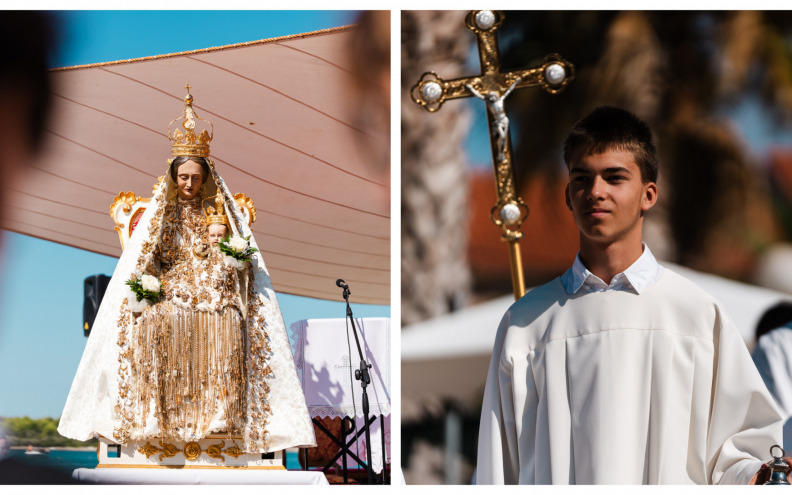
x,y
566,197
649,196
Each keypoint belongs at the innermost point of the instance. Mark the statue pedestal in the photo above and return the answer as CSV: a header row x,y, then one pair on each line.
x,y
214,452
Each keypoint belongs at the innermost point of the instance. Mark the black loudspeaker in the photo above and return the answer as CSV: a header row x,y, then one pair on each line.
x,y
95,287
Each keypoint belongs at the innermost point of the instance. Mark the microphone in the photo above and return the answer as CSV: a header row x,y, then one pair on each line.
x,y
342,284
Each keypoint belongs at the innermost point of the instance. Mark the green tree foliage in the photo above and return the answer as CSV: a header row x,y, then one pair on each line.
x,y
39,432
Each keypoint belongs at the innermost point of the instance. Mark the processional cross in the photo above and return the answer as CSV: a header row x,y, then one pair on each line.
x,y
493,86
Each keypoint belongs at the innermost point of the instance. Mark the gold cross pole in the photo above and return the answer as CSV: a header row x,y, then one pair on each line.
x,y
493,86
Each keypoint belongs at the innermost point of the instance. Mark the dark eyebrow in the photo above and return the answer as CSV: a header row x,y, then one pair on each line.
x,y
609,170
617,170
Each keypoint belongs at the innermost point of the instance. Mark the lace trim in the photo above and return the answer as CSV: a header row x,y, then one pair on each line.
x,y
348,411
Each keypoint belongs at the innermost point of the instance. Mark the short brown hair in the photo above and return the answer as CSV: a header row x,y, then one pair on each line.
x,y
609,128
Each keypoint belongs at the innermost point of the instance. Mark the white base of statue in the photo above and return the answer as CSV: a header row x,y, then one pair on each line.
x,y
197,476
212,452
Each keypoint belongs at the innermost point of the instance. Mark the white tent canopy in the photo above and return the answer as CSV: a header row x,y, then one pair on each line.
x,y
448,357
284,135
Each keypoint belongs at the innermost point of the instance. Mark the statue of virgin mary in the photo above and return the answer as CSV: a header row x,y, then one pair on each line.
x,y
210,353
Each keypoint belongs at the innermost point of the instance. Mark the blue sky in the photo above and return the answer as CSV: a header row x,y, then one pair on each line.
x,y
102,36
41,349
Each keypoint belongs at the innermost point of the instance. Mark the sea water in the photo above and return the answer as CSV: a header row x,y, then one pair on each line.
x,y
62,460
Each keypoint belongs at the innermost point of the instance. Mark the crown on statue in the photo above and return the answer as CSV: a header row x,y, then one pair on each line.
x,y
215,214
188,142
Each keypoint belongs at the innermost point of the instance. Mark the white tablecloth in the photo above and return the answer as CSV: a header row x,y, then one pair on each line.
x,y
322,355
322,350
143,476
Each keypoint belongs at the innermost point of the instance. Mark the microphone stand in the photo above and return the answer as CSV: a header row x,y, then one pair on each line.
x,y
361,374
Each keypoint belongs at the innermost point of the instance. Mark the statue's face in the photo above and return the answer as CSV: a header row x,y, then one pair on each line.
x,y
189,178
216,233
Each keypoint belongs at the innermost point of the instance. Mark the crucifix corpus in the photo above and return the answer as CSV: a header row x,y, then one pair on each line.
x,y
493,87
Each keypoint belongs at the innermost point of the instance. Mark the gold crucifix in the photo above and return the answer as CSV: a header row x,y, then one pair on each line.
x,y
493,86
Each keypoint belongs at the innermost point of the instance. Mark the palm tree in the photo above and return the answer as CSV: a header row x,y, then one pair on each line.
x,y
435,274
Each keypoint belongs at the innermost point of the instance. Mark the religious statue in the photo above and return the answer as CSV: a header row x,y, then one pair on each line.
x,y
500,122
189,340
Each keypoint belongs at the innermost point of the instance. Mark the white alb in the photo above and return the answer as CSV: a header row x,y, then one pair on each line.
x,y
621,387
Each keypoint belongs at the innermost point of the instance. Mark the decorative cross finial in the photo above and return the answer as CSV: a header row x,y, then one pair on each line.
x,y
493,86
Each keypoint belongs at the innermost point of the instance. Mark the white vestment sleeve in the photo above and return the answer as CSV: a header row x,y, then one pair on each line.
x,y
498,460
744,421
773,358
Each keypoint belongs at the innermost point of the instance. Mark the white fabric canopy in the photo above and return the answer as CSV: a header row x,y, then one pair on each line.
x,y
284,135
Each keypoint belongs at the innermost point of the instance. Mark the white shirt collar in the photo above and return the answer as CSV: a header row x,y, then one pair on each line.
x,y
641,275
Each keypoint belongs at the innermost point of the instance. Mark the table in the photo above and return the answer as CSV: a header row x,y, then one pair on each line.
x,y
186,476
326,357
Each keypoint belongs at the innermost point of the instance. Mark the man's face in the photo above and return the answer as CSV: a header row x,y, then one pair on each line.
x,y
607,197
189,178
216,233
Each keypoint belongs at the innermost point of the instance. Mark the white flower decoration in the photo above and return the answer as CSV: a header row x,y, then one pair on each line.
x,y
238,244
150,283
134,305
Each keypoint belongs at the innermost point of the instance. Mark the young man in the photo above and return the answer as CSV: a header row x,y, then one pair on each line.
x,y
620,371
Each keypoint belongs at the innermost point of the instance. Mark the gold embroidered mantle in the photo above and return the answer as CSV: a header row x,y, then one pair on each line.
x,y
187,373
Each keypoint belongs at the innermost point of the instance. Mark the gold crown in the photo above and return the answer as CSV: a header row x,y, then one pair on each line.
x,y
188,143
214,214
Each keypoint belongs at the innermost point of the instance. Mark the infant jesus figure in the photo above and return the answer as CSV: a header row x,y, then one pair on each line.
x,y
234,250
216,232
216,222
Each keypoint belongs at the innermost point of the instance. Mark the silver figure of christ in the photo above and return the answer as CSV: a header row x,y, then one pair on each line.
x,y
500,122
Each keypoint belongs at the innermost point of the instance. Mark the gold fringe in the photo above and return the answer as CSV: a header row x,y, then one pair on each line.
x,y
191,370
